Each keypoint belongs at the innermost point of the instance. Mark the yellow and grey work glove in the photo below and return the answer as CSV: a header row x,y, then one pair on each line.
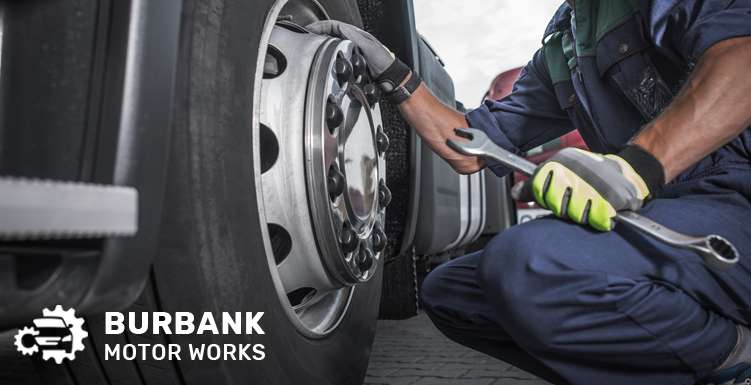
x,y
388,71
589,188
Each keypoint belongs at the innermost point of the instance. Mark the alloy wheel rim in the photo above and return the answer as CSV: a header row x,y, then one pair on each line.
x,y
322,170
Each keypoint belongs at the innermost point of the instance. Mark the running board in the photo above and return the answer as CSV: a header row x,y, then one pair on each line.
x,y
34,209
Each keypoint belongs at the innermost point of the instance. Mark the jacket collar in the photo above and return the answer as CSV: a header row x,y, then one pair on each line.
x,y
561,21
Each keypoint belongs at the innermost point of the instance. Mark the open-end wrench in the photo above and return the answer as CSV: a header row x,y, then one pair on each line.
x,y
717,252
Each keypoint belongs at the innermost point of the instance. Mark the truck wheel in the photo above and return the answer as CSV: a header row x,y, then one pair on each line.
x,y
275,199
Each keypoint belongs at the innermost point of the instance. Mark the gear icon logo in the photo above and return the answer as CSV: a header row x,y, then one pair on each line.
x,y
24,341
58,334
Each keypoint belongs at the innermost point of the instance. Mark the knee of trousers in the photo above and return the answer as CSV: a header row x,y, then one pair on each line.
x,y
434,291
520,274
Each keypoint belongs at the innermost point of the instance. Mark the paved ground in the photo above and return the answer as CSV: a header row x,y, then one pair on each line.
x,y
414,352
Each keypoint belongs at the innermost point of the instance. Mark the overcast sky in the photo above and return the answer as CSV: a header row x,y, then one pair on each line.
x,y
478,39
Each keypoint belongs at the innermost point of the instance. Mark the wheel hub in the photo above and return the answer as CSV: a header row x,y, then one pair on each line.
x,y
360,161
322,153
347,145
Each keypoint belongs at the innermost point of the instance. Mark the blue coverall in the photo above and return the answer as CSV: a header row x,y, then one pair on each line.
x,y
577,306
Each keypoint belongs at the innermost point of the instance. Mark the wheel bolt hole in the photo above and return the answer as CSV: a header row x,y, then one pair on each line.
x,y
281,242
269,148
300,296
275,63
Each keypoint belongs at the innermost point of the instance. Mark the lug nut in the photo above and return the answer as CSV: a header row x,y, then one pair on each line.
x,y
384,194
365,259
371,93
348,240
382,141
342,69
379,239
358,64
335,182
334,115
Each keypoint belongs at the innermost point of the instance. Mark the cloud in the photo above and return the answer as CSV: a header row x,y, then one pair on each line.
x,y
478,39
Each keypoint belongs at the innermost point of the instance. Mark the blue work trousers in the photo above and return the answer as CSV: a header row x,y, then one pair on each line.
x,y
576,306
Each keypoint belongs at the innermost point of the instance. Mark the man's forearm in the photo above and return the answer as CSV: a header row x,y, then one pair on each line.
x,y
713,108
435,122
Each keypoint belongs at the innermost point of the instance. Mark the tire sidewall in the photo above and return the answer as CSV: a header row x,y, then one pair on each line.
x,y
212,255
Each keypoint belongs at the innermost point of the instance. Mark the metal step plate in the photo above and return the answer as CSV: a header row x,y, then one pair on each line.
x,y
42,209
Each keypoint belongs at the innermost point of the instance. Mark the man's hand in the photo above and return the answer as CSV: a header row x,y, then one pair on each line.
x,y
385,68
432,120
588,188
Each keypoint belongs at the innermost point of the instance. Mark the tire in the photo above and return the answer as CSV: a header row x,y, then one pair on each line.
x,y
213,246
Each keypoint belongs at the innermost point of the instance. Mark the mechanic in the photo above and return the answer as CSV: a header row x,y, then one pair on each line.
x,y
663,89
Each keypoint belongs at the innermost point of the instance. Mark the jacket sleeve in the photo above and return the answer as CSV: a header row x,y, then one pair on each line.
x,y
526,118
684,29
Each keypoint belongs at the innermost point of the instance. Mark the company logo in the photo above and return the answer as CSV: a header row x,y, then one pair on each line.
x,y
58,334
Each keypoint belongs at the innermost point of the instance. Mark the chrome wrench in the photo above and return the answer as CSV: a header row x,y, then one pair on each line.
x,y
717,252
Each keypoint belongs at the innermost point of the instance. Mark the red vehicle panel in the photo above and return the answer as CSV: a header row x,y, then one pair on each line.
x,y
501,86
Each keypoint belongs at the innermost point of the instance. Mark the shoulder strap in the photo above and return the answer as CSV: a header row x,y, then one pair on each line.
x,y
557,63
555,59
